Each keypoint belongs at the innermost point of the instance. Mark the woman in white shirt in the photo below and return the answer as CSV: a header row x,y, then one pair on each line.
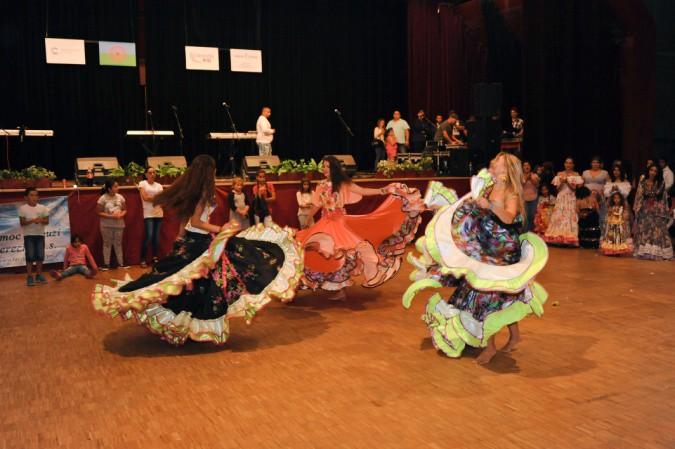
x,y
152,215
378,142
304,197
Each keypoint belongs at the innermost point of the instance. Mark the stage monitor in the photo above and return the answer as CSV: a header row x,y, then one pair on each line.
x,y
347,161
254,163
99,166
158,161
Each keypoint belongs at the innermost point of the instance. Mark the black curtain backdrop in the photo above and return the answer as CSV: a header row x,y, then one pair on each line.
x,y
572,86
444,60
317,56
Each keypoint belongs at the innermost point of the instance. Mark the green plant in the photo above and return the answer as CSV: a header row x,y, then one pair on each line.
x,y
117,172
169,170
35,172
10,174
426,163
387,168
134,170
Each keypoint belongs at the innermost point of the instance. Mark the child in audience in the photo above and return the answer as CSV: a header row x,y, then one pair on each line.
x,y
33,218
616,239
112,208
304,197
240,205
75,261
263,195
545,206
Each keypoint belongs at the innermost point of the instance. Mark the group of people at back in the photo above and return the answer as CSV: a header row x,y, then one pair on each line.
x,y
397,136
593,210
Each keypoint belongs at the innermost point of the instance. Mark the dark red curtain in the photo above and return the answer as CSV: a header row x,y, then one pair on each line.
x,y
444,61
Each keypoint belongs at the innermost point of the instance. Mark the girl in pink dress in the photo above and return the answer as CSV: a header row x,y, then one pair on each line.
x,y
390,145
341,246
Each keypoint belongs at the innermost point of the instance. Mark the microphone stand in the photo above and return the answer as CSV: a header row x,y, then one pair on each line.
x,y
153,144
233,126
180,130
348,130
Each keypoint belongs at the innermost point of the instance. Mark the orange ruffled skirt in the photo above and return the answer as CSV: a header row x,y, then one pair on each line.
x,y
340,247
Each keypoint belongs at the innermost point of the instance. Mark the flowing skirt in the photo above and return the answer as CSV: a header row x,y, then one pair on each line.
x,y
616,239
651,238
340,247
195,290
564,227
493,268
589,228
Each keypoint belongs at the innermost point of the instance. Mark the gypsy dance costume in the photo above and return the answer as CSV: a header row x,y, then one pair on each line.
x,y
564,226
542,218
492,266
205,281
616,239
652,220
340,246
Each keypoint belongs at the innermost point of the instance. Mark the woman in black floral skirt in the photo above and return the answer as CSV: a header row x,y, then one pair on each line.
x,y
214,273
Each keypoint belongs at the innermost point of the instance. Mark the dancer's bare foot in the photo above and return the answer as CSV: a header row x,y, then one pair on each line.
x,y
511,344
514,338
488,353
339,295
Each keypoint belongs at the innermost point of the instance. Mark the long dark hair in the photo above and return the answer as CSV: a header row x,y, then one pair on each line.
x,y
302,185
195,187
107,185
622,173
658,180
338,175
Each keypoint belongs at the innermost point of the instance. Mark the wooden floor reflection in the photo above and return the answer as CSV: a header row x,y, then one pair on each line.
x,y
595,372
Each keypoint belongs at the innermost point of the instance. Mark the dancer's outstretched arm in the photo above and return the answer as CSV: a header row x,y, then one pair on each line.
x,y
364,191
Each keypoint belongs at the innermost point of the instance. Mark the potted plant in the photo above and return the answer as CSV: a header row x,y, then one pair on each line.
x,y
134,173
288,170
38,176
117,173
12,179
386,169
167,173
426,165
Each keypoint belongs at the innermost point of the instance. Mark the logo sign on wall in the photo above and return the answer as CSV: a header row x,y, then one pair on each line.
x,y
64,51
245,60
57,232
201,58
117,53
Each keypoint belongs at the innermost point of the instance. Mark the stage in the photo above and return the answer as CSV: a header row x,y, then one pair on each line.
x,y
594,372
84,220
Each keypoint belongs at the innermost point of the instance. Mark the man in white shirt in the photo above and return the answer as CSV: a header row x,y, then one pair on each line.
x,y
401,131
265,132
668,177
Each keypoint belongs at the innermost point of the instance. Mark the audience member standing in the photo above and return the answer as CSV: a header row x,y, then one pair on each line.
x,y
112,208
378,142
564,226
264,132
152,215
652,217
401,131
530,196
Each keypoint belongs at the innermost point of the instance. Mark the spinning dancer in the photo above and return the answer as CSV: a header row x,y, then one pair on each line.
x,y
341,246
474,243
213,273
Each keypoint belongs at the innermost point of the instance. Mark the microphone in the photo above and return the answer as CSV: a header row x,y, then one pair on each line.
x,y
337,112
174,108
226,105
149,112
22,133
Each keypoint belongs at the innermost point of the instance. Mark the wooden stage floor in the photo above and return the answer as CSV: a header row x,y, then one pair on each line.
x,y
597,371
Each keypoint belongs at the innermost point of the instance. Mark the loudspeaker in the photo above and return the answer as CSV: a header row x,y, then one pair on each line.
x,y
347,161
158,161
486,99
254,163
100,167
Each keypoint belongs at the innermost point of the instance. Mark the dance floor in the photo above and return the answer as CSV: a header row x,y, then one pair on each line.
x,y
595,372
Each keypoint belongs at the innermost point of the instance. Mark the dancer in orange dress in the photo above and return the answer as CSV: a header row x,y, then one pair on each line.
x,y
341,246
